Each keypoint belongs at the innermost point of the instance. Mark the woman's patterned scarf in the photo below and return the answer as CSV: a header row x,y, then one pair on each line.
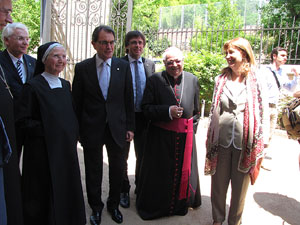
x,y
252,126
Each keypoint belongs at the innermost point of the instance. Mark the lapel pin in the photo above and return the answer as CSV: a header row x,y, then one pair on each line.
x,y
118,68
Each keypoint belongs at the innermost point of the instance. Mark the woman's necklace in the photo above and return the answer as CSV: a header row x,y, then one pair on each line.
x,y
2,76
173,89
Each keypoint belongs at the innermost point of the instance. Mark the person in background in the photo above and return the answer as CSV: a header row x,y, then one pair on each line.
x,y
18,66
103,96
11,172
141,69
296,94
5,153
237,129
276,78
169,181
51,182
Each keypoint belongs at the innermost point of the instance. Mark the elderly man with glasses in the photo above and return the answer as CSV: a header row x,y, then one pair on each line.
x,y
18,66
169,182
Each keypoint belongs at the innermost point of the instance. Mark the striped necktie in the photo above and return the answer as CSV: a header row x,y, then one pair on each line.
x,y
19,69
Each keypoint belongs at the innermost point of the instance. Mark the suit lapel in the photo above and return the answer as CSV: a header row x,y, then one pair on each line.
x,y
11,67
114,70
147,68
29,67
92,75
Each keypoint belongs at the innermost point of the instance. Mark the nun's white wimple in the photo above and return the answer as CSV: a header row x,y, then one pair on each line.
x,y
49,50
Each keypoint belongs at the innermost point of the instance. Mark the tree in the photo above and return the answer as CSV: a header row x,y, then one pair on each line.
x,y
28,12
281,13
219,17
146,13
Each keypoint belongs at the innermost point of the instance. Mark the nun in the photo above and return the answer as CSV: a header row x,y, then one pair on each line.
x,y
51,184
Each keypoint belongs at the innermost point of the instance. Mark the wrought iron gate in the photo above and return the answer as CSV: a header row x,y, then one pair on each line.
x,y
73,21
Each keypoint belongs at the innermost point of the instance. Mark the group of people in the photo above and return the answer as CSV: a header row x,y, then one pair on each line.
x,y
112,102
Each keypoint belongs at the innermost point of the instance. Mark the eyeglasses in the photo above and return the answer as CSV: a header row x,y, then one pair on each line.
x,y
136,42
59,57
20,38
7,12
106,43
171,62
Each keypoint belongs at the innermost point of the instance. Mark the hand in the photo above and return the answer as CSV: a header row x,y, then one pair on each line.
x,y
176,112
294,71
129,136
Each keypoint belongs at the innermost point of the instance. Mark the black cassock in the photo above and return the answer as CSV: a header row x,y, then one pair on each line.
x,y
11,172
160,175
51,185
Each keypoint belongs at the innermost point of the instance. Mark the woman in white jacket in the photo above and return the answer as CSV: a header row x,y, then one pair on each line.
x,y
237,131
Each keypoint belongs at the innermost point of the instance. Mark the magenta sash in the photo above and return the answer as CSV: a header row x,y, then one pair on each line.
x,y
182,126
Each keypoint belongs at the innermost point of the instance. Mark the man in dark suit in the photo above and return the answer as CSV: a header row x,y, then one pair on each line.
x,y
11,172
17,65
103,96
141,69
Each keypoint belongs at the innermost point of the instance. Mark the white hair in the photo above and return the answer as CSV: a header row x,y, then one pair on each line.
x,y
172,50
10,28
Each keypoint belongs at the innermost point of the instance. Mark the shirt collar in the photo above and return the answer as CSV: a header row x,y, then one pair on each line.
x,y
273,68
14,59
99,61
132,59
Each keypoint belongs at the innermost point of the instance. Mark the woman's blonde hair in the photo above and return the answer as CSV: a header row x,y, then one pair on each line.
x,y
244,46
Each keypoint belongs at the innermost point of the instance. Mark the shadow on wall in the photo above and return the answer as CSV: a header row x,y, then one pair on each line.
x,y
279,205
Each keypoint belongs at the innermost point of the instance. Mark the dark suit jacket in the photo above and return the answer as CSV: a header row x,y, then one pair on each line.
x,y
94,112
11,73
149,65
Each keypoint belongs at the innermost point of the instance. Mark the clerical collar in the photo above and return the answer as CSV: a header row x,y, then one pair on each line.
x,y
173,80
53,80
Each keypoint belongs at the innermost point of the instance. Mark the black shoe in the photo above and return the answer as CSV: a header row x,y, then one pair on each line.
x,y
95,218
116,215
124,200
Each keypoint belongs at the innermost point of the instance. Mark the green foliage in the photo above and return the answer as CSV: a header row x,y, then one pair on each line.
x,y
146,13
183,16
205,66
28,12
281,13
249,10
219,18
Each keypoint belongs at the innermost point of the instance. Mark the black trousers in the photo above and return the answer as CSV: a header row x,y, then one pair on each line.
x,y
93,160
139,141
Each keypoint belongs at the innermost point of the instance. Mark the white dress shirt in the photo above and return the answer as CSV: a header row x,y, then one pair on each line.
x,y
273,90
23,66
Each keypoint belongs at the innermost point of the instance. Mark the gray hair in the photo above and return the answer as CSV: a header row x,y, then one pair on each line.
x,y
174,50
10,28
